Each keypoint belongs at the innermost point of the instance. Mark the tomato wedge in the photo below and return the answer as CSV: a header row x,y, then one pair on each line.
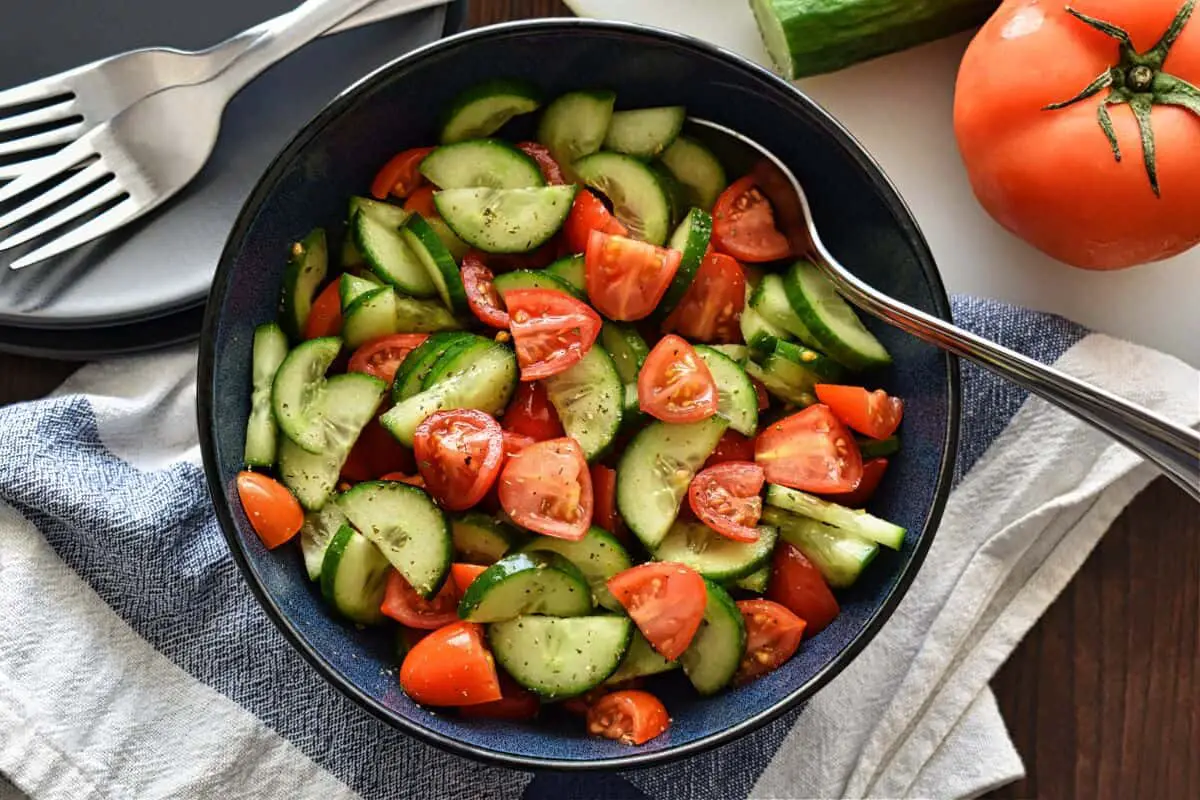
x,y
531,414
551,331
726,499
515,442
451,667
588,214
711,310
810,450
482,298
463,575
626,278
547,488
421,202
458,454
402,603
773,635
515,703
732,446
630,716
798,586
400,175
375,453
875,414
873,472
674,385
274,512
325,317
744,224
665,600
604,489
383,356
550,169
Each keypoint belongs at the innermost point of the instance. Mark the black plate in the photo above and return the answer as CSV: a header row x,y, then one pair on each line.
x,y
91,344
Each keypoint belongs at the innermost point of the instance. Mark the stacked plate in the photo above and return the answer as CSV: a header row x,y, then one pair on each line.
x,y
144,287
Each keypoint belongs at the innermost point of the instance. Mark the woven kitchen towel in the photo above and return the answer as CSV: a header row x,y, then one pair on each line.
x,y
134,661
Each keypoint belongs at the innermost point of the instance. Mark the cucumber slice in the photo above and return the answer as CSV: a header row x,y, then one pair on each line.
x,y
390,257
655,471
756,581
559,657
835,327
598,555
370,316
487,385
352,287
454,245
423,316
738,352
790,372
437,262
572,270
716,651
406,526
350,257
639,200
574,125
389,215
736,399
632,415
315,535
850,520
481,539
878,448
769,299
839,555
644,132
532,279
676,197
526,583
354,576
627,348
269,351
697,170
307,264
457,358
482,110
589,399
760,335
505,220
713,555
347,404
297,390
641,660
417,364
691,239
481,162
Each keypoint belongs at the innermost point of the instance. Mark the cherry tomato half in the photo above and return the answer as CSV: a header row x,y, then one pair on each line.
x,y
874,414
515,703
873,472
547,488
550,169
421,202
726,499
732,446
325,317
463,575
402,603
631,716
551,331
483,299
451,667
744,224
604,489
274,513
626,278
811,451
665,600
383,356
773,635
674,384
459,454
400,175
375,453
711,310
799,587
588,214
531,414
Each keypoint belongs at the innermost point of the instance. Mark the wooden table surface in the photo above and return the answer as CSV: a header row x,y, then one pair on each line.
x,y
1103,696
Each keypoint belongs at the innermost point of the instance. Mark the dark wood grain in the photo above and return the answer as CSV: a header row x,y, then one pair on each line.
x,y
1103,696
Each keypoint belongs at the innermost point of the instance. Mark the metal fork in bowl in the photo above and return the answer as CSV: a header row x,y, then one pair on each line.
x,y
1174,449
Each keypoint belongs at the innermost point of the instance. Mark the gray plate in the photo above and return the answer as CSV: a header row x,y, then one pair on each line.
x,y
165,262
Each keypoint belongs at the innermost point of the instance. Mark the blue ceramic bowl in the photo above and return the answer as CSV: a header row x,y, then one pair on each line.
x,y
860,216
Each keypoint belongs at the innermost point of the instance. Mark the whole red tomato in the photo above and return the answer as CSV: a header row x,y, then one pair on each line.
x,y
1084,145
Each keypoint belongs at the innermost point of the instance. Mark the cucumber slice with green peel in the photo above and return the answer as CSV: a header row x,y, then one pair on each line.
x,y
676,196
627,348
632,416
297,389
791,371
850,520
641,660
456,360
759,334
655,471
756,581
697,170
390,257
738,352
481,162
644,132
437,262
352,287
574,125
346,405
716,651
736,399
505,220
639,200
388,214
572,270
831,321
350,257
691,239
557,657
417,364
526,583
482,539
307,265
269,350
424,316
839,555
354,576
482,110
878,448
407,527
531,279
599,555
454,245
769,299
370,316
589,399
315,535
487,385
712,555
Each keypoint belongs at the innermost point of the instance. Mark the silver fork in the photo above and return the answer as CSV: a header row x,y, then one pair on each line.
x,y
102,89
147,153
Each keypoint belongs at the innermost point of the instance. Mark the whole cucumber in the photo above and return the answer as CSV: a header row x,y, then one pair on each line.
x,y
808,37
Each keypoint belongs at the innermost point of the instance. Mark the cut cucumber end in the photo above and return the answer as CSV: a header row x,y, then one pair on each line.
x,y
484,109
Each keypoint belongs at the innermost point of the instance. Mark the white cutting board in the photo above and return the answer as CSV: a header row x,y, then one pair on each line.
x,y
900,108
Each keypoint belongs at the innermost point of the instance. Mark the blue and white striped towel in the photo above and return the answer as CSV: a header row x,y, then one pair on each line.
x,y
134,661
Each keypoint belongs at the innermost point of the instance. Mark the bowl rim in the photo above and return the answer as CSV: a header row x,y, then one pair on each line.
x,y
206,386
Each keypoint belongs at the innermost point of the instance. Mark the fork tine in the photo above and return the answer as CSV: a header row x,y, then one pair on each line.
x,y
15,170
64,135
43,89
46,168
52,113
89,202
85,177
110,220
